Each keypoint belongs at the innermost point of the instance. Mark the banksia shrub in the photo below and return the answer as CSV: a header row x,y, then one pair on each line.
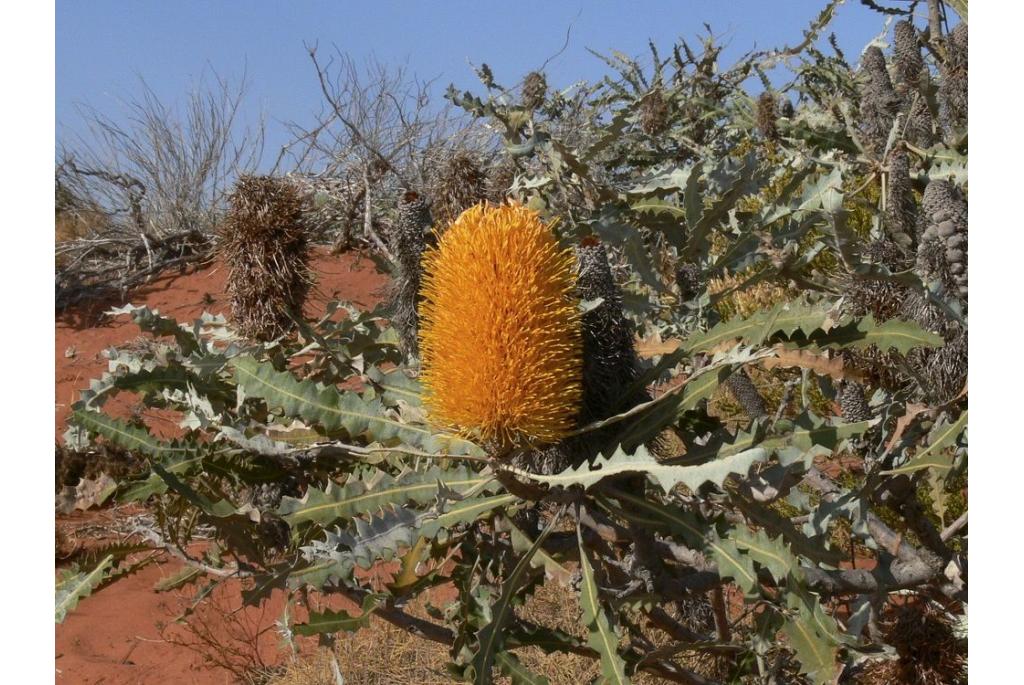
x,y
264,243
929,646
535,89
458,184
500,334
879,102
653,114
408,237
767,116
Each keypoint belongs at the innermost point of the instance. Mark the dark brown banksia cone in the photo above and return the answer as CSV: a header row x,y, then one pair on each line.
x,y
653,115
535,89
746,394
458,184
610,363
689,280
263,241
767,116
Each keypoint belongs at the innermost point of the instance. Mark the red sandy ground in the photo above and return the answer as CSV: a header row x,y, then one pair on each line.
x,y
125,633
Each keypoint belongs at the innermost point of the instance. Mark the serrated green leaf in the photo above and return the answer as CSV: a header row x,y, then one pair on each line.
x,y
490,637
334,410
509,665
602,637
339,621
396,386
816,655
125,435
933,456
72,587
734,564
772,554
374,491
186,576
665,475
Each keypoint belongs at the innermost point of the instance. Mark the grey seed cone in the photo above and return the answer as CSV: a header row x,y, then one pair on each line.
x,y
744,392
500,178
907,57
409,236
920,128
852,402
879,102
953,84
943,252
942,371
942,196
883,301
900,217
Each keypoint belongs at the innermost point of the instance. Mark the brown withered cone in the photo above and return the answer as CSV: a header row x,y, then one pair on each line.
x,y
263,241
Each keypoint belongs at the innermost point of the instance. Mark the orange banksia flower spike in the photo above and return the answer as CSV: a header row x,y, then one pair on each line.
x,y
500,332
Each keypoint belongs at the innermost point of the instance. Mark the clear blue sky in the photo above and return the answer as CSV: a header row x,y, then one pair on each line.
x,y
103,46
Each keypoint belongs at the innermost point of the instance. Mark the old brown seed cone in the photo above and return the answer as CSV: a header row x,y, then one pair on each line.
x,y
263,242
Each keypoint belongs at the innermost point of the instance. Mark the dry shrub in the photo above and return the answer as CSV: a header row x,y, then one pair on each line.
x,y
224,632
264,243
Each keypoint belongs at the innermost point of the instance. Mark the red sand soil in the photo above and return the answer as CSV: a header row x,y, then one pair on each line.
x,y
126,632
84,332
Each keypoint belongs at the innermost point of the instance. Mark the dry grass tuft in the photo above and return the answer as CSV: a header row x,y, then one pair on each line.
x,y
263,241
